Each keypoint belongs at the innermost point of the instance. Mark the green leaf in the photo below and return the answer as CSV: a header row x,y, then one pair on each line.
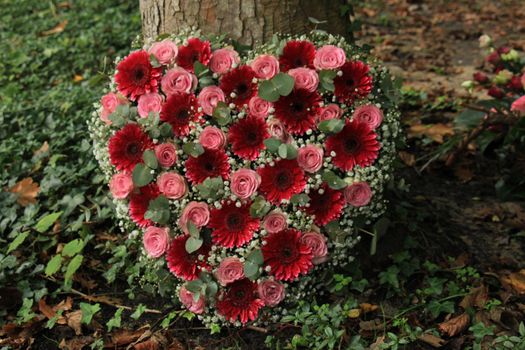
x,y
116,320
316,21
251,270
211,289
193,244
194,286
73,247
212,188
73,266
280,85
154,61
300,199
287,151
19,239
46,222
326,79
138,312
333,180
331,126
199,69
88,311
256,257
166,130
272,144
436,308
193,149
469,118
141,175
117,120
259,207
150,159
159,210
193,229
53,265
222,113
380,228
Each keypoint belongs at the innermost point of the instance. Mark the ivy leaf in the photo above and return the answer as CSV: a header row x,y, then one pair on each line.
x,y
73,266
193,149
73,247
331,126
138,312
53,265
20,238
47,221
115,320
88,311
141,175
272,144
150,159
193,244
333,180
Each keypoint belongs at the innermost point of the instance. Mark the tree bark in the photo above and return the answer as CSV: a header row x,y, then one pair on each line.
x,y
247,21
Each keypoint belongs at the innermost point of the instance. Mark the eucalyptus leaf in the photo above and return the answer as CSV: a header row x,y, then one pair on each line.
x,y
272,144
193,149
141,175
150,159
331,126
193,244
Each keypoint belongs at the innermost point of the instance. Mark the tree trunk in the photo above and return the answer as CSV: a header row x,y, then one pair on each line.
x,y
247,21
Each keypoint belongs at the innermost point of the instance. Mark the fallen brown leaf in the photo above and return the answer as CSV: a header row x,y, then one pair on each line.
x,y
372,325
126,336
73,321
515,281
464,172
436,132
59,28
354,313
43,149
432,340
408,158
477,297
77,343
51,311
27,190
366,307
78,78
455,325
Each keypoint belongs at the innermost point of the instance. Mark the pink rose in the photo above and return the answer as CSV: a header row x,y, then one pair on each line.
x,y
166,154
187,299
519,105
305,78
230,269
259,107
196,212
271,292
310,158
265,66
317,242
178,80
156,241
209,97
212,138
275,221
151,102
121,185
110,102
222,60
244,183
358,194
369,114
329,57
277,130
165,51
172,185
331,111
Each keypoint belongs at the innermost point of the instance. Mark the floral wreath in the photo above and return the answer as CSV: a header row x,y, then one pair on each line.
x,y
247,176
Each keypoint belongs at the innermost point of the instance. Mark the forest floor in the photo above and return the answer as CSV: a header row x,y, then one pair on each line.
x,y
449,272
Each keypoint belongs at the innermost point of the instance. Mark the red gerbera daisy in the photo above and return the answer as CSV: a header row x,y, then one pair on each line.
x,y
179,110
240,82
297,53
355,145
281,181
183,264
232,226
139,203
239,300
136,76
247,137
298,110
212,163
286,255
127,146
327,206
354,83
196,50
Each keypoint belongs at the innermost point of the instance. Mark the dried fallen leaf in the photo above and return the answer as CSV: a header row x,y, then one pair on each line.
x,y
59,28
125,336
77,343
73,321
78,78
372,325
408,158
515,281
27,190
464,172
43,149
51,311
436,132
455,325
354,313
377,344
366,307
432,340
477,297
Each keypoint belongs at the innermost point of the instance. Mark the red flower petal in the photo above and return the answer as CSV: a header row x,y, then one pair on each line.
x,y
297,53
179,110
127,146
136,76
327,206
355,82
183,264
281,181
298,110
232,226
212,163
247,137
239,81
139,203
239,300
196,50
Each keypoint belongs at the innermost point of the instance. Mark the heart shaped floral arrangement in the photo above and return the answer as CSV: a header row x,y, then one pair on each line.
x,y
247,176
